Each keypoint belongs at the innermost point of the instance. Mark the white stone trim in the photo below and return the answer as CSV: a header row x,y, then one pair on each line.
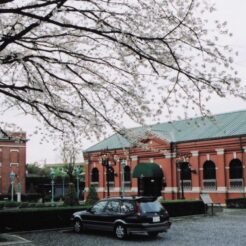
x,y
134,158
100,189
221,189
196,189
170,189
220,151
14,164
14,150
170,155
227,167
194,153
201,168
86,162
0,150
244,148
134,189
151,160
234,155
208,157
12,146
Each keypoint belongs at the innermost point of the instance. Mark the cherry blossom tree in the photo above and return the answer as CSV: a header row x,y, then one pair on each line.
x,y
89,64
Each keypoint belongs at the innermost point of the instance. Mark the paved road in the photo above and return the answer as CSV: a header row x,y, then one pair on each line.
x,y
227,228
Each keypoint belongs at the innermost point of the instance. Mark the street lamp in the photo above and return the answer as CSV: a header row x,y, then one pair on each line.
x,y
77,174
52,176
123,164
105,163
12,180
180,165
63,174
185,168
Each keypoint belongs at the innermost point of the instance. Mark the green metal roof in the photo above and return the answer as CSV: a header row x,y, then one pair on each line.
x,y
201,128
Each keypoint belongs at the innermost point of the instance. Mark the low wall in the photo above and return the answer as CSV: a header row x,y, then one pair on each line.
x,y
183,208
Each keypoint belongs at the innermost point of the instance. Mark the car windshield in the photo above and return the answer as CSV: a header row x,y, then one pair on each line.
x,y
148,207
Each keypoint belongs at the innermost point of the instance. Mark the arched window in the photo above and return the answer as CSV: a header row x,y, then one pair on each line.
x,y
94,175
209,171
236,169
209,175
127,174
111,174
185,176
236,174
185,171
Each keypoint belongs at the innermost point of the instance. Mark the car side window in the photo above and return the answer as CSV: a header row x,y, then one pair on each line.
x,y
113,206
127,207
99,207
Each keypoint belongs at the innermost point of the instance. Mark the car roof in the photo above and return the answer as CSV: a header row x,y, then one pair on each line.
x,y
133,198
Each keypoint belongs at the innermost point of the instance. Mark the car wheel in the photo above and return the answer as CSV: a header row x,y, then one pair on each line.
x,y
153,234
120,231
77,226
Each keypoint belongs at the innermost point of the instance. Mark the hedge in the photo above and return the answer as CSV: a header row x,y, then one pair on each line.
x,y
16,219
183,208
36,218
236,203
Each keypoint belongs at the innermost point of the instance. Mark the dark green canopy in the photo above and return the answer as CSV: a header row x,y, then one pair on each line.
x,y
147,170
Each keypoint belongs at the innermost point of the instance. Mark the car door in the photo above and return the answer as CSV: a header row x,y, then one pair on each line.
x,y
95,216
112,213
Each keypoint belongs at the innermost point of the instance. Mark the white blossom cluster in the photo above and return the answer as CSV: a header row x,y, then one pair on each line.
x,y
90,64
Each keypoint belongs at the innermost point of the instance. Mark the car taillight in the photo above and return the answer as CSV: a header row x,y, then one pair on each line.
x,y
138,209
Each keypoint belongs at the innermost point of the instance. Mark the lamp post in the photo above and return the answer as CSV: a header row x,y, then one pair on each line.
x,y
12,180
123,164
52,176
63,174
105,163
184,166
77,174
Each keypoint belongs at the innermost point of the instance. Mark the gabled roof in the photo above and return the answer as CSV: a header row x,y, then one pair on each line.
x,y
3,135
12,136
201,128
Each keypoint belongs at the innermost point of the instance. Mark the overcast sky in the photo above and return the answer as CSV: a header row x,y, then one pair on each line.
x,y
232,11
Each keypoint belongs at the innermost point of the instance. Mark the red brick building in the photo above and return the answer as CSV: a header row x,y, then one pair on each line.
x,y
12,158
190,157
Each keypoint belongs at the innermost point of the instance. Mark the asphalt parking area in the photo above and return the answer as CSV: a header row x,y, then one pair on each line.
x,y
226,228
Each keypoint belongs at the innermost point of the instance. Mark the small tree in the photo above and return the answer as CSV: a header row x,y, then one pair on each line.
x,y
70,196
92,197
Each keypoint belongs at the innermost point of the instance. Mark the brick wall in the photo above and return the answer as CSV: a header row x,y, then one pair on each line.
x,y
220,151
12,158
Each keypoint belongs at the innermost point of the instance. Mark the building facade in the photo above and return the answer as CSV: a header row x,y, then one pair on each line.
x,y
182,159
12,159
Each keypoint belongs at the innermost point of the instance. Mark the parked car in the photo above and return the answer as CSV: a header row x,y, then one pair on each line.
x,y
124,216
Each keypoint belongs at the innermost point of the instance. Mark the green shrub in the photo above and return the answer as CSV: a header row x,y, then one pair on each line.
x,y
70,196
24,205
92,197
10,204
236,203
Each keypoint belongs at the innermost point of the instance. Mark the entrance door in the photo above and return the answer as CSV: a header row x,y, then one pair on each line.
x,y
149,186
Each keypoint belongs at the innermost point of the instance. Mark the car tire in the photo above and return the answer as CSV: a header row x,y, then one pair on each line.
x,y
77,226
153,234
120,231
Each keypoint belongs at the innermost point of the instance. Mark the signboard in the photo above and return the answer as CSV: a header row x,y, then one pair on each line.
x,y
206,198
